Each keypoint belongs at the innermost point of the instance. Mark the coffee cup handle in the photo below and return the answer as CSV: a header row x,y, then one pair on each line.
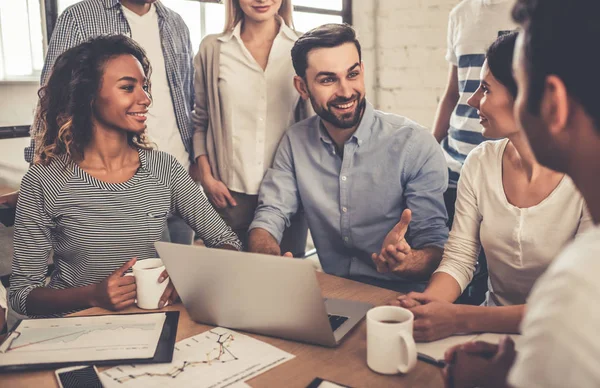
x,y
407,345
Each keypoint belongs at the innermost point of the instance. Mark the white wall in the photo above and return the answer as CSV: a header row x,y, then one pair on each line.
x,y
17,105
17,102
405,44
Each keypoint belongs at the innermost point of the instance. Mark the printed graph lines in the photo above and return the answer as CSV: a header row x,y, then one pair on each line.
x,y
62,338
224,341
219,354
11,347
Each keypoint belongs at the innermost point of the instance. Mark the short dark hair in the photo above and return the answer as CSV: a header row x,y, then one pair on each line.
x,y
561,36
499,59
327,35
64,117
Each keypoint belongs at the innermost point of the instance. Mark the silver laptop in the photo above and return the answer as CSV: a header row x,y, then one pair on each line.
x,y
268,295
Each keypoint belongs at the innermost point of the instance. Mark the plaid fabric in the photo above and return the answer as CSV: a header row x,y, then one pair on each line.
x,y
90,18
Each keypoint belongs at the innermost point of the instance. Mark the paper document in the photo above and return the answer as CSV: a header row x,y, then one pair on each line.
x,y
217,358
105,337
436,349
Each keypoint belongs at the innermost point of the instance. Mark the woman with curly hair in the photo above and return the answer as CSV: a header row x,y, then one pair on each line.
x,y
97,195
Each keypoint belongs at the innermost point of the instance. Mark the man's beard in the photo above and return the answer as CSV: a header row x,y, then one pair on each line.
x,y
344,121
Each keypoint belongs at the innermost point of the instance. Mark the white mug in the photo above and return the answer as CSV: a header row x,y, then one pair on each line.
x,y
148,289
390,344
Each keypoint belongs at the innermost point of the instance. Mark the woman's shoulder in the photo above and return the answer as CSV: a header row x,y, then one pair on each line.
x,y
58,166
210,41
155,159
486,152
484,158
50,177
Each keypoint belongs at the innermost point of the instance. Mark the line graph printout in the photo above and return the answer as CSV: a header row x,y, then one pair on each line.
x,y
106,337
218,358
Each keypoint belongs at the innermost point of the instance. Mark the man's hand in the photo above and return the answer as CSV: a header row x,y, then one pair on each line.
x,y
407,301
117,291
434,319
396,253
479,364
261,241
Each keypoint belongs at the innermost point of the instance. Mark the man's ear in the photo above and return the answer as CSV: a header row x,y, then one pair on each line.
x,y
555,105
301,87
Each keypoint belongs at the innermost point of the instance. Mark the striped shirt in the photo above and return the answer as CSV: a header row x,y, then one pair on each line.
x,y
473,26
90,18
94,227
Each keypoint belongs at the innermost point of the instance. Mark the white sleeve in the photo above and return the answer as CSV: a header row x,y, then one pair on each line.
x,y
450,53
560,345
463,246
585,221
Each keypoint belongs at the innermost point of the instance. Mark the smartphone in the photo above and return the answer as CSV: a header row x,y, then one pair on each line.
x,y
78,377
322,383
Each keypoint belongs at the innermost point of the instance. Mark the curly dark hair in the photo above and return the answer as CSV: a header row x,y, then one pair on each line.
x,y
64,115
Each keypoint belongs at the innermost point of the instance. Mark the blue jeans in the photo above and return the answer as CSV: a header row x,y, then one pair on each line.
x,y
178,231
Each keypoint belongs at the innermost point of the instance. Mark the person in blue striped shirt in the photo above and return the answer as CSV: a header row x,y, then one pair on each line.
x,y
472,26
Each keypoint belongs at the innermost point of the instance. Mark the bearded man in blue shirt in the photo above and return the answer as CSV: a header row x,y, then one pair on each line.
x,y
371,183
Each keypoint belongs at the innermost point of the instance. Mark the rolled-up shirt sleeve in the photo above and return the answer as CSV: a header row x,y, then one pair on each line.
x,y
278,198
32,243
426,180
463,246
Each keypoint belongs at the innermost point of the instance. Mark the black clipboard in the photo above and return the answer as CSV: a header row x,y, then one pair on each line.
x,y
163,353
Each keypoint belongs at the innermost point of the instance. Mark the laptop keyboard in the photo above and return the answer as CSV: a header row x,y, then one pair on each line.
x,y
336,321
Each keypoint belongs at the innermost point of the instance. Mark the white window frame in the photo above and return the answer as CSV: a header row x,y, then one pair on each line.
x,y
49,10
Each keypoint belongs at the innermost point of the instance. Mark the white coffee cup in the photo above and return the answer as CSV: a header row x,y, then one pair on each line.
x,y
390,344
148,289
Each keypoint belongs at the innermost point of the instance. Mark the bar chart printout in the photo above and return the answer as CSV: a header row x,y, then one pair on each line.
x,y
96,338
217,358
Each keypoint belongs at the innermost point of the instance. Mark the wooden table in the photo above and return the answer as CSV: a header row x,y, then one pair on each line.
x,y
345,364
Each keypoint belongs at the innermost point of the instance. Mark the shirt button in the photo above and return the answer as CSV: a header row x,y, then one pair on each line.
x,y
346,239
344,209
260,119
344,178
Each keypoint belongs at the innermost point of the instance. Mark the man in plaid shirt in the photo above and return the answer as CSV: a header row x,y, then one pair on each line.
x,y
165,38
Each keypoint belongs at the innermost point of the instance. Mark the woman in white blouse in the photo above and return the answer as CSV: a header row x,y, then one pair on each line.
x,y
521,213
245,100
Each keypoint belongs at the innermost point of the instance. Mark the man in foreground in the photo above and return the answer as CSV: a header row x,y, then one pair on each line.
x,y
559,110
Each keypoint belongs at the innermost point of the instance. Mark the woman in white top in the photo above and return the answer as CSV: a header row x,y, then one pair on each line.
x,y
245,100
520,212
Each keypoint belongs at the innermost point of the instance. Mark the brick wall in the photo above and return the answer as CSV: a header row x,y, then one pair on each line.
x,y
404,44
